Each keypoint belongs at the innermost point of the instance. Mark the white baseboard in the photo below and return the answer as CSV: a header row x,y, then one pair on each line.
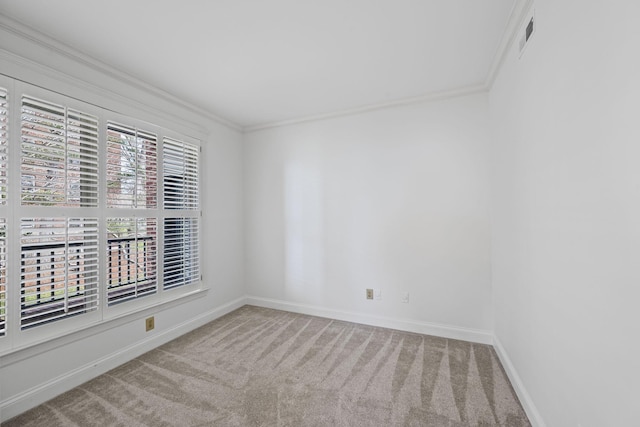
x,y
525,399
445,331
22,402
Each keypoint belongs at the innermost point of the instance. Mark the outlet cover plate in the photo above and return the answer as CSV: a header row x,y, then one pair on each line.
x,y
149,323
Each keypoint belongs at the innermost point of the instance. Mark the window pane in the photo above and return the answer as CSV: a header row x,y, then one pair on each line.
x,y
181,252
43,153
132,264
59,160
180,174
132,167
59,273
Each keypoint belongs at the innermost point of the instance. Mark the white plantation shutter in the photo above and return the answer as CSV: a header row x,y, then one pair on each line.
x,y
181,162
4,130
4,142
131,258
82,159
181,252
3,277
58,173
59,155
180,174
59,269
132,167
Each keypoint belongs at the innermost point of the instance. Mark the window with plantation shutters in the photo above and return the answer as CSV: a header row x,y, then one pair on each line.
x,y
59,175
181,231
131,258
132,167
59,269
59,155
132,183
99,215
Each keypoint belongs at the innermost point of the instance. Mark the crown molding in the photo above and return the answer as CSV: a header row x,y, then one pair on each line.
x,y
25,64
49,44
430,97
518,13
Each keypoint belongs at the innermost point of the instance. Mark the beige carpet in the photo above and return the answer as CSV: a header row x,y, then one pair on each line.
x,y
262,367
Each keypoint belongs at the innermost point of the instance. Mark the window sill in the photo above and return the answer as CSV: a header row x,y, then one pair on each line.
x,y
17,354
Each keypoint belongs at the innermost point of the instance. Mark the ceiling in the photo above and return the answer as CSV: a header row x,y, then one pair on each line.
x,y
254,62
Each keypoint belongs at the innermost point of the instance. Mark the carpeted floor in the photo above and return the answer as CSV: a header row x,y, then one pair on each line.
x,y
262,367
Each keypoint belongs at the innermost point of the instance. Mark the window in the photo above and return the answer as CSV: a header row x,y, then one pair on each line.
x,y
95,197
59,170
181,249
180,161
132,183
59,269
59,155
181,259
132,167
131,254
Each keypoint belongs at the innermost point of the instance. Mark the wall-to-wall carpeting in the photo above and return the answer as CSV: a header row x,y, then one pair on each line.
x,y
265,367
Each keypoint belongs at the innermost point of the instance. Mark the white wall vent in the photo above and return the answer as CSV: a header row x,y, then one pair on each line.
x,y
526,31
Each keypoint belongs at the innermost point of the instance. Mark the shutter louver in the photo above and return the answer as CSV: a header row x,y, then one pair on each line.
x,y
132,167
59,269
4,143
181,252
59,155
181,172
131,258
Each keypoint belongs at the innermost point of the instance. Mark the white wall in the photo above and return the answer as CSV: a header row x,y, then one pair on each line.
x,y
566,213
393,199
29,377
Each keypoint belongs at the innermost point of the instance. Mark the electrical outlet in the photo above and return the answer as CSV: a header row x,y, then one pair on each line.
x,y
149,323
405,297
369,293
377,293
